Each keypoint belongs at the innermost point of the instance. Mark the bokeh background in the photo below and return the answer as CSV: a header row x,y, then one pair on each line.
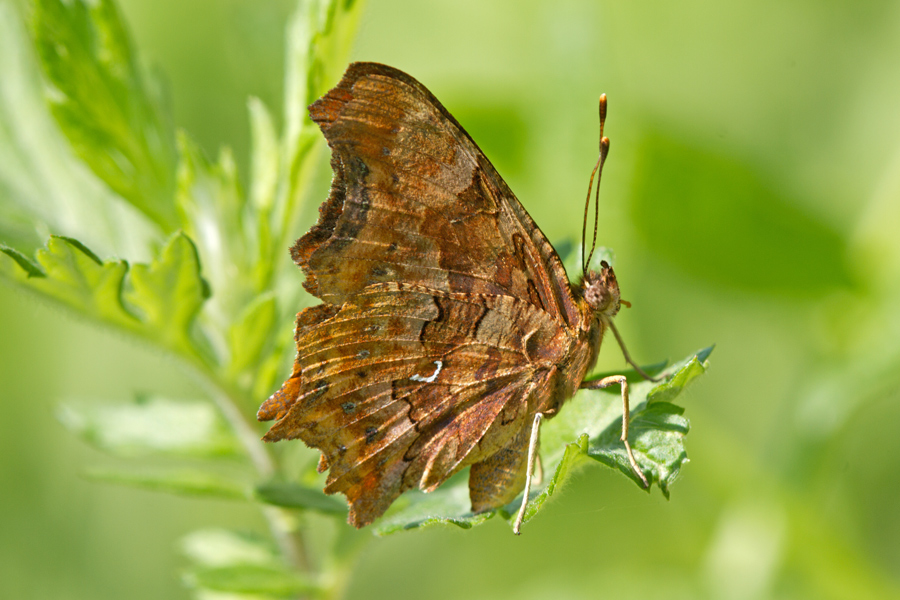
x,y
752,197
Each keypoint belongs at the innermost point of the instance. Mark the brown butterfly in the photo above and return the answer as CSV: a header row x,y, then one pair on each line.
x,y
448,327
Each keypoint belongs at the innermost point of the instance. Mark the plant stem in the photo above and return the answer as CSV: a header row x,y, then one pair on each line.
x,y
290,542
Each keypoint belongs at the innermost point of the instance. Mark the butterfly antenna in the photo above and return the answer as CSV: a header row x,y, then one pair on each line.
x,y
598,171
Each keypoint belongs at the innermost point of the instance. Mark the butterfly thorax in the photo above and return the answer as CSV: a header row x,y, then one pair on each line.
x,y
598,298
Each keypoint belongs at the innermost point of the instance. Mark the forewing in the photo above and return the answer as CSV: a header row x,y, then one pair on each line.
x,y
414,199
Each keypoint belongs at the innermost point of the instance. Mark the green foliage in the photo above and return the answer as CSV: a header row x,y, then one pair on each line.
x,y
293,495
178,480
221,548
169,293
207,295
237,563
250,579
69,273
152,426
104,102
158,301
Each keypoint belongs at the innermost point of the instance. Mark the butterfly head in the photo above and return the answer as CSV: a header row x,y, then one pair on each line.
x,y
601,291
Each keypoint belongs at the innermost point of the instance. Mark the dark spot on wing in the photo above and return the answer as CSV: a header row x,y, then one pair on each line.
x,y
371,433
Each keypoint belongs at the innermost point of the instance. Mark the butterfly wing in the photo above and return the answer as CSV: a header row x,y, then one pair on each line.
x,y
402,386
414,199
445,308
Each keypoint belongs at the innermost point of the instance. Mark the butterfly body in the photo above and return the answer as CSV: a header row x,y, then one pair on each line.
x,y
447,319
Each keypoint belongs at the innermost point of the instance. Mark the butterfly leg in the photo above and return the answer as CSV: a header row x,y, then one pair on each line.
x,y
628,356
604,383
532,453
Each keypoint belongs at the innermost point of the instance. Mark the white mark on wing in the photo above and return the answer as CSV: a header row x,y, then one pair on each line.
x,y
432,377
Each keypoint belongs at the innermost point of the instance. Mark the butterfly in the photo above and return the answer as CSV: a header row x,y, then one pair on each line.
x,y
448,329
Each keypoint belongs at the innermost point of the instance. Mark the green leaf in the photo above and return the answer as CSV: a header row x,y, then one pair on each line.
x,y
250,579
163,298
449,505
230,564
27,269
630,374
292,495
319,38
69,273
222,548
152,426
105,104
588,427
673,386
181,481
169,293
657,438
656,432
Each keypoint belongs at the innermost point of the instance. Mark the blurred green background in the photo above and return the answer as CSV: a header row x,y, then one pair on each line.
x,y
752,197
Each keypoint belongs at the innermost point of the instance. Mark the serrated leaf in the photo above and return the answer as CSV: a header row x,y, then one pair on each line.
x,y
28,269
105,104
292,495
222,548
657,432
181,481
69,273
673,386
152,426
250,579
657,439
163,297
588,427
169,293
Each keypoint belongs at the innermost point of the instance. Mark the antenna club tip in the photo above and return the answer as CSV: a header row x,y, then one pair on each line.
x,y
602,107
